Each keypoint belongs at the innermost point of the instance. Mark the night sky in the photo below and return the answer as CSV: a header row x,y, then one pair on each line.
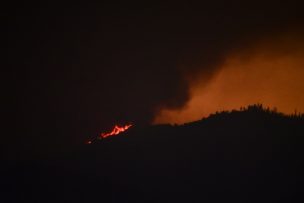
x,y
76,70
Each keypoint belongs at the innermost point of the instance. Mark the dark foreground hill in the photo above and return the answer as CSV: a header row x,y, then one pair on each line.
x,y
253,155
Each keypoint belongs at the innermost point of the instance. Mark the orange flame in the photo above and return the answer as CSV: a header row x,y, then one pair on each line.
x,y
116,130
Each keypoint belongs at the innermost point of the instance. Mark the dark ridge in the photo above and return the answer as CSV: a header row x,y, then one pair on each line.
x,y
250,155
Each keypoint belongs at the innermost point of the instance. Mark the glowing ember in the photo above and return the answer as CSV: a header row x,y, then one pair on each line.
x,y
116,130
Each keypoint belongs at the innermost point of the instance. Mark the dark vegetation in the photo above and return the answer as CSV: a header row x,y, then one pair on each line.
x,y
251,155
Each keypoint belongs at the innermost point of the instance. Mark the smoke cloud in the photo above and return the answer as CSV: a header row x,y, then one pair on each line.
x,y
270,72
80,69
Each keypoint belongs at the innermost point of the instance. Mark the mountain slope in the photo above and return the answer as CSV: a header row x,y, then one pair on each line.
x,y
252,155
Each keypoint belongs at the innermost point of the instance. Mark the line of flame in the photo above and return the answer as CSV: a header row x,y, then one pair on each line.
x,y
116,130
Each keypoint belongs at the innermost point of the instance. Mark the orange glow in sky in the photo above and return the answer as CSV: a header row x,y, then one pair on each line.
x,y
271,74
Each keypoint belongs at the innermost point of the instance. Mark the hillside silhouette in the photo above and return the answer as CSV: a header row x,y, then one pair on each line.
x,y
250,155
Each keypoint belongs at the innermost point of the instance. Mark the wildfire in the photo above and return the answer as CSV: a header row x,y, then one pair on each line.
x,y
116,130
